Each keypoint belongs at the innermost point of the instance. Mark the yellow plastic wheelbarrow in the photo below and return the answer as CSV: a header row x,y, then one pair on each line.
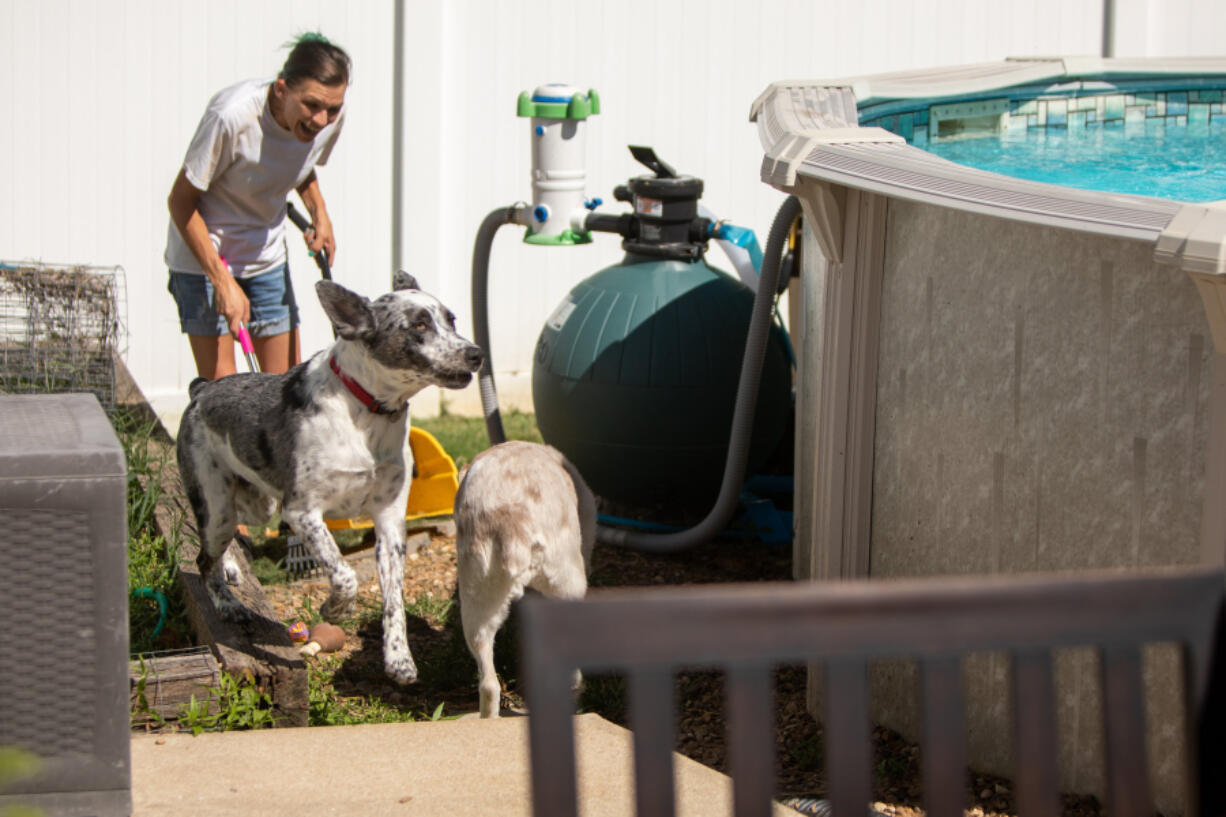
x,y
435,482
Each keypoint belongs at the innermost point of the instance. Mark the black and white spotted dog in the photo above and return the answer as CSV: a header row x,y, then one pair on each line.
x,y
327,439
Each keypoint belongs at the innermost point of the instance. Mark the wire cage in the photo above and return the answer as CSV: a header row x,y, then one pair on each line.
x,y
61,328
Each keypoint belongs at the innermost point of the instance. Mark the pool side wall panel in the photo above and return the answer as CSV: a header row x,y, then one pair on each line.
x,y
1042,404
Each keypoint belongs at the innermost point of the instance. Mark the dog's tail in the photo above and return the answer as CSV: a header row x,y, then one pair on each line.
x,y
196,385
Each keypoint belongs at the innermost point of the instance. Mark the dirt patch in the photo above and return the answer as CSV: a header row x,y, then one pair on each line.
x,y
448,674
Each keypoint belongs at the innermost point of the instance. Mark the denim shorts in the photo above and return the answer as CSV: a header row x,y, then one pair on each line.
x,y
273,308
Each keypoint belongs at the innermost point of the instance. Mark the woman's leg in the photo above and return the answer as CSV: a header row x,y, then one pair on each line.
x,y
212,348
278,353
214,355
274,320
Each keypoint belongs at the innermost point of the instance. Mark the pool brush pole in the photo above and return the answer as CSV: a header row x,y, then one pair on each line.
x,y
244,340
300,221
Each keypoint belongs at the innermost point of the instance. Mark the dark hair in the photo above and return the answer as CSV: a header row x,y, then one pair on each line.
x,y
313,57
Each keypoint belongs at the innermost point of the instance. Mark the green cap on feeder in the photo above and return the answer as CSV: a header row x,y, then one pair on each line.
x,y
559,205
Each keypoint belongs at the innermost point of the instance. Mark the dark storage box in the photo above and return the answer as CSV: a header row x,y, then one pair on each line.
x,y
63,604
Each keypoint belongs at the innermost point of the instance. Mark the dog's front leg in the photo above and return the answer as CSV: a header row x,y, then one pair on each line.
x,y
310,527
389,556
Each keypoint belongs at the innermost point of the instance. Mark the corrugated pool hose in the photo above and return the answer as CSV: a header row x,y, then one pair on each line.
x,y
722,511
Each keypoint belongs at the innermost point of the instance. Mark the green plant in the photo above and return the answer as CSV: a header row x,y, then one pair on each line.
x,y
436,610
152,557
309,614
141,714
16,764
268,571
891,768
327,708
233,704
605,694
809,753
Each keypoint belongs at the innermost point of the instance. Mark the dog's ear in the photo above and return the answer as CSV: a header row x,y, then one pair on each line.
x,y
349,312
402,280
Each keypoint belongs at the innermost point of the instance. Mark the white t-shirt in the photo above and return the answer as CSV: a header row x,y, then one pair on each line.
x,y
246,165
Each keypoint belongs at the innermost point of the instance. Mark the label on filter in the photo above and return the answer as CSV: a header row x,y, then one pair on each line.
x,y
648,207
560,315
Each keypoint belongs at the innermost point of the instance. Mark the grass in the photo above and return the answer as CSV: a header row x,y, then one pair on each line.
x,y
465,437
329,709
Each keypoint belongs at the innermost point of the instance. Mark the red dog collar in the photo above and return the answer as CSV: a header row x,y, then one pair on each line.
x,y
356,389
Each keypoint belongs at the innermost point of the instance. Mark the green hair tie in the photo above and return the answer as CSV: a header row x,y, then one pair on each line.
x,y
308,37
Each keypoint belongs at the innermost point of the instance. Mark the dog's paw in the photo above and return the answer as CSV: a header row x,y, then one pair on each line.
x,y
226,602
490,692
230,570
400,669
335,610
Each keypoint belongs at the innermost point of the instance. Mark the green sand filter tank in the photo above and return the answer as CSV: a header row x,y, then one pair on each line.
x,y
636,371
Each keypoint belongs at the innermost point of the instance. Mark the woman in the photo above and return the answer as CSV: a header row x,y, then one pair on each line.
x,y
257,141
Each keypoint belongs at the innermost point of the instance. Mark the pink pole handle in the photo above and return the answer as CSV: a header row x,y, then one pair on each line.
x,y
244,340
244,337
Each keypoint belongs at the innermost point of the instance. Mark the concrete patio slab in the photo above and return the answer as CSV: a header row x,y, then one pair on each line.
x,y
464,767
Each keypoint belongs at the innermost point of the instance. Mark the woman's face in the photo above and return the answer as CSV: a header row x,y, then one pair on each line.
x,y
306,108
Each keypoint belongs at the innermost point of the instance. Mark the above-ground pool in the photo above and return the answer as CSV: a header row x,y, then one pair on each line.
x,y
1149,137
1180,163
1010,373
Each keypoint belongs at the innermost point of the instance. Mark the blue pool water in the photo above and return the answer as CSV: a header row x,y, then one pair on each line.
x,y
1181,163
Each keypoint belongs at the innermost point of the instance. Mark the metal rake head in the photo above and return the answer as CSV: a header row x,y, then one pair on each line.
x,y
299,563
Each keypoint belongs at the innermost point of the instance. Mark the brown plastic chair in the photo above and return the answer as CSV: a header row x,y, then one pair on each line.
x,y
749,629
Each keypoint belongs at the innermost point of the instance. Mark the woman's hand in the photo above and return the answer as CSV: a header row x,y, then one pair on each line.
x,y
319,237
230,301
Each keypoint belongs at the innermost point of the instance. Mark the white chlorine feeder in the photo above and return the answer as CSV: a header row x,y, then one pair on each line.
x,y
559,173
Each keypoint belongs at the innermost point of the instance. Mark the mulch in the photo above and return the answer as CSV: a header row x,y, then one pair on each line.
x,y
431,574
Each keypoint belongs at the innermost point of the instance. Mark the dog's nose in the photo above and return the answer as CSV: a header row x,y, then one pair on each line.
x,y
474,357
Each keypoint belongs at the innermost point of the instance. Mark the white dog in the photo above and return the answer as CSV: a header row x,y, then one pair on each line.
x,y
324,440
524,518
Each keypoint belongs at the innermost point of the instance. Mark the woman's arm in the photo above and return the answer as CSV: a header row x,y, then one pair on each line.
x,y
229,299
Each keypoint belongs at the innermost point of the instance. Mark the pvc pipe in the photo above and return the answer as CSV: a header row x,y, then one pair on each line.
x,y
739,257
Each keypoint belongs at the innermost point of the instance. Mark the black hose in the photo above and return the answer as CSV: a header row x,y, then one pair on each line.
x,y
746,395
742,418
481,323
